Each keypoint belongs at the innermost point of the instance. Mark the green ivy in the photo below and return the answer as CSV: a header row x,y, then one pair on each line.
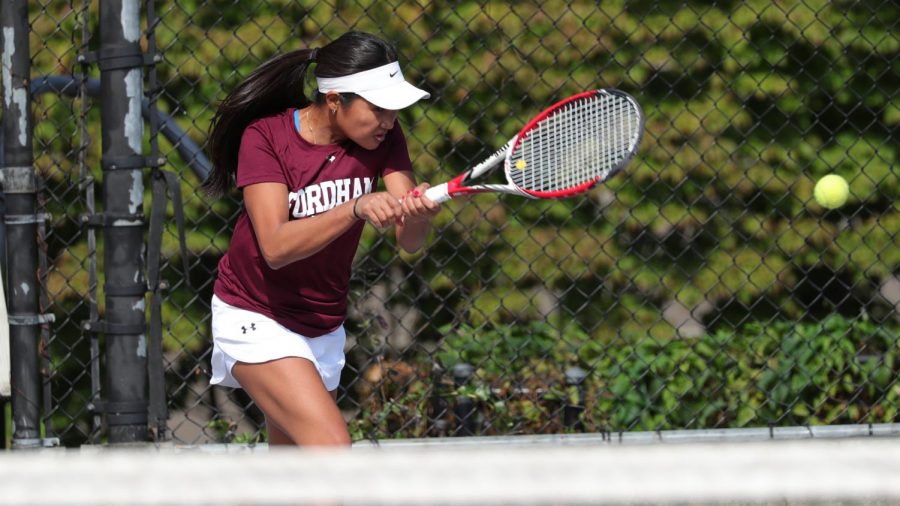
x,y
836,371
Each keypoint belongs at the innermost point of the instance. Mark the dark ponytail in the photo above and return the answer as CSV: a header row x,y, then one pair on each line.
x,y
277,85
271,88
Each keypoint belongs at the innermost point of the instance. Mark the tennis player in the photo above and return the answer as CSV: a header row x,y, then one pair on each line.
x,y
309,173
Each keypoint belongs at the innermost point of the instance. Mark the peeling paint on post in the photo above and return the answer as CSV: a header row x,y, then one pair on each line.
x,y
12,95
141,351
136,193
131,21
134,124
22,261
121,92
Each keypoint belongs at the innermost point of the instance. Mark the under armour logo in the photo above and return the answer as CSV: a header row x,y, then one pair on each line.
x,y
394,73
252,327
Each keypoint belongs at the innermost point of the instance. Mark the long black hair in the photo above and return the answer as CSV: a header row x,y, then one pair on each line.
x,y
277,85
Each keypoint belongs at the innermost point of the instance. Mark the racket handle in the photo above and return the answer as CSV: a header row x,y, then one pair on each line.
x,y
438,194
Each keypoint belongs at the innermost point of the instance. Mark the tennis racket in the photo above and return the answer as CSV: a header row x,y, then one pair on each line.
x,y
565,150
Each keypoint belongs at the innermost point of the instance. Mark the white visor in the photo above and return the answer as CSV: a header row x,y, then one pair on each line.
x,y
384,86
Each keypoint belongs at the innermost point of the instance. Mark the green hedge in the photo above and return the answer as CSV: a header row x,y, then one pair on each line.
x,y
839,371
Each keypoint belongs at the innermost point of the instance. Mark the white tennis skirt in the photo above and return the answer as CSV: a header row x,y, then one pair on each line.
x,y
245,336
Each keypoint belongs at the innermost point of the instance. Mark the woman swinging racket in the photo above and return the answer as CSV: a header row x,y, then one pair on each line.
x,y
309,172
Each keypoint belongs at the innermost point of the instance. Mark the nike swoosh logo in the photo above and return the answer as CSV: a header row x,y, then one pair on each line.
x,y
395,73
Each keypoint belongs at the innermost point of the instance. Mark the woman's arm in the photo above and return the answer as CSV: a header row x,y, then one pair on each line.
x,y
417,210
283,241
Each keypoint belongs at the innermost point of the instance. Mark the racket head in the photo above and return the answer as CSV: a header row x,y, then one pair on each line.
x,y
575,144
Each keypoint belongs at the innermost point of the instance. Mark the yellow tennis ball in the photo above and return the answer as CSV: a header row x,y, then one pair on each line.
x,y
520,164
831,191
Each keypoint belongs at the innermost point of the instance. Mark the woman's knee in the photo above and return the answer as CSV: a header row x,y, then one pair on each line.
x,y
307,430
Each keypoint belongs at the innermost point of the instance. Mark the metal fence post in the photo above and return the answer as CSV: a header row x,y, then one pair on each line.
x,y
19,187
574,406
465,405
437,423
121,83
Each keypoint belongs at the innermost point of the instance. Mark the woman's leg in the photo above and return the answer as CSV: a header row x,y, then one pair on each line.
x,y
291,394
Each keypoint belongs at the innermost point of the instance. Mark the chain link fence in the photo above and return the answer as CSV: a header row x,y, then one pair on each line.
x,y
702,288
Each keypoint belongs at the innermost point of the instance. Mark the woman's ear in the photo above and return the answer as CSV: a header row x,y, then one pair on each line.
x,y
332,102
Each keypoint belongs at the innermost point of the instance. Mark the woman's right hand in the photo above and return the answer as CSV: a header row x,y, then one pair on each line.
x,y
380,209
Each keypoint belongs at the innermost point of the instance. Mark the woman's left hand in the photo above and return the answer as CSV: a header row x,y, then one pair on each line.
x,y
417,207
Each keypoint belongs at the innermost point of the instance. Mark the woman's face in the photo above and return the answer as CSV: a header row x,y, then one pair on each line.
x,y
365,123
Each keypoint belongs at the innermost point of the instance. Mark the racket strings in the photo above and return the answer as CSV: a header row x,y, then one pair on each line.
x,y
583,141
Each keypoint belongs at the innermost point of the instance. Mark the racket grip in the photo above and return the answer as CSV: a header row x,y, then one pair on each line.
x,y
438,194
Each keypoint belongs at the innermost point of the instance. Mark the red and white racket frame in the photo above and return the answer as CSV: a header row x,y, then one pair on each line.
x,y
458,185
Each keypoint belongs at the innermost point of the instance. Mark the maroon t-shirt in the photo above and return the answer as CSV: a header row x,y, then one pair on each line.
x,y
308,296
